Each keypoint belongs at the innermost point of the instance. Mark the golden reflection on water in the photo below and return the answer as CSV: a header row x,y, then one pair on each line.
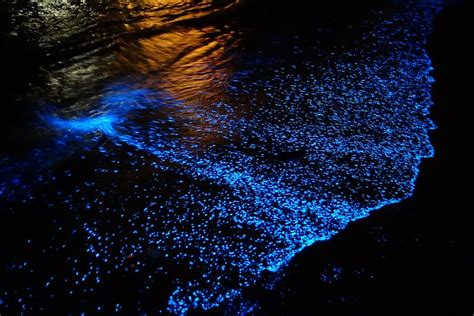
x,y
166,11
191,64
188,63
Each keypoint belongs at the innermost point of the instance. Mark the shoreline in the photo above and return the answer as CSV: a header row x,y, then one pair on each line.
x,y
411,257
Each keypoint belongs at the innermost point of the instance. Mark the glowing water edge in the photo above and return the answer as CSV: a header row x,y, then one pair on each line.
x,y
200,183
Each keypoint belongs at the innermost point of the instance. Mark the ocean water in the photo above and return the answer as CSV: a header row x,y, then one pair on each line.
x,y
174,152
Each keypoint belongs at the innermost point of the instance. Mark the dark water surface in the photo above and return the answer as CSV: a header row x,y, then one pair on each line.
x,y
164,156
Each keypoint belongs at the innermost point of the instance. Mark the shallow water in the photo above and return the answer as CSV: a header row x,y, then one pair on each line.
x,y
177,150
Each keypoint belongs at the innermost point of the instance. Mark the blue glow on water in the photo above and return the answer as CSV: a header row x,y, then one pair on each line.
x,y
225,196
102,124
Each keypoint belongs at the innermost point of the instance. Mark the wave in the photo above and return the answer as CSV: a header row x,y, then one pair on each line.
x,y
216,173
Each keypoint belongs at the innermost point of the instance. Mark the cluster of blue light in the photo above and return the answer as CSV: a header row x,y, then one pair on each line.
x,y
225,196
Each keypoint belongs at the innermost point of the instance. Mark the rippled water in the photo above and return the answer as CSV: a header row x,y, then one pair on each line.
x,y
180,153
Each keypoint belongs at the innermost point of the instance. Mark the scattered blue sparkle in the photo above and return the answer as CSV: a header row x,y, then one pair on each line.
x,y
225,196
